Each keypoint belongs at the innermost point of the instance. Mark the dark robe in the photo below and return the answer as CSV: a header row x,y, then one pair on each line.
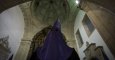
x,y
74,56
55,47
10,57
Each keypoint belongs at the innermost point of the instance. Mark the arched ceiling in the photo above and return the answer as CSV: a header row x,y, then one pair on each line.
x,y
56,8
47,11
32,25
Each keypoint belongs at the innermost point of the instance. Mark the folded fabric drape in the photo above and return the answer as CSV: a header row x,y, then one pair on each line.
x,y
54,47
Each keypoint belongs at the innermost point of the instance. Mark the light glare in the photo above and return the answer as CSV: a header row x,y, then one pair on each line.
x,y
77,2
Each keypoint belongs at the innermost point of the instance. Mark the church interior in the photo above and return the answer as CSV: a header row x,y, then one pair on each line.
x,y
57,30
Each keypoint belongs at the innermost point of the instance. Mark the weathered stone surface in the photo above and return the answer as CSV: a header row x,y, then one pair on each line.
x,y
104,21
22,53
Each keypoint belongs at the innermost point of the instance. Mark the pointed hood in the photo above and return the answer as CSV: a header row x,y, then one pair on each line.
x,y
55,47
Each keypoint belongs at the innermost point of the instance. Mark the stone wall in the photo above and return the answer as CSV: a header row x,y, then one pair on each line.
x,y
104,21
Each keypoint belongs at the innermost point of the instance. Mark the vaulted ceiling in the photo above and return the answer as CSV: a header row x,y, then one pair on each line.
x,y
43,13
35,21
49,10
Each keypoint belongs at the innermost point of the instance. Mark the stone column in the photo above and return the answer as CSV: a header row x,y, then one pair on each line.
x,y
22,53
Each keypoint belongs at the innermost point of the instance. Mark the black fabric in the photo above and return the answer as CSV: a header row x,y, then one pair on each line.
x,y
74,56
10,58
34,56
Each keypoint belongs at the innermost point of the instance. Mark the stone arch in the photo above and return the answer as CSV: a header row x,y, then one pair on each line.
x,y
38,40
5,4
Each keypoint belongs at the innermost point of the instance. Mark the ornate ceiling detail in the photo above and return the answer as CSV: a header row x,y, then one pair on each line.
x,y
49,10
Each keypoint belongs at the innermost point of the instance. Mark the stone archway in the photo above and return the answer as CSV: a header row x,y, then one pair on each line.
x,y
32,25
37,40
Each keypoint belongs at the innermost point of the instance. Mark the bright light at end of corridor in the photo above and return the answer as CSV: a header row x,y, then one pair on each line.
x,y
77,1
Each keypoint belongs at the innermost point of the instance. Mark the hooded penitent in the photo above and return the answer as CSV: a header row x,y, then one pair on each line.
x,y
54,47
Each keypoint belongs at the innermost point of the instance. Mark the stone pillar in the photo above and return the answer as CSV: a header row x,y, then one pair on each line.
x,y
23,50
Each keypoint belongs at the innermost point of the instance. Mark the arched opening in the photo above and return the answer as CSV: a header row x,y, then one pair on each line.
x,y
38,40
